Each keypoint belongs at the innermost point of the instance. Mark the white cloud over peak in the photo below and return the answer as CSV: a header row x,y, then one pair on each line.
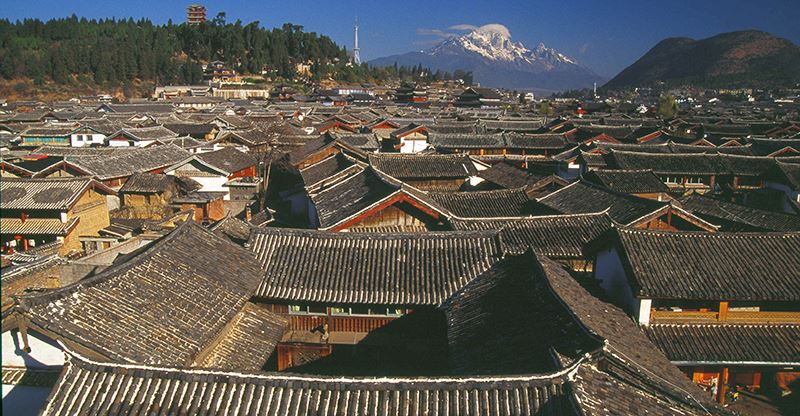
x,y
434,32
463,27
495,28
453,30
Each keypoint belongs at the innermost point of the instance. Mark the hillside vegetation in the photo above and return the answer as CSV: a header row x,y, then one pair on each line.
x,y
747,58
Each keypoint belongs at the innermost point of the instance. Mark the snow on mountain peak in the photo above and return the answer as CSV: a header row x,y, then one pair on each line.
x,y
493,42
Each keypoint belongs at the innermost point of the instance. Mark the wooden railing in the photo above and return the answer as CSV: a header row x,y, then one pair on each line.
x,y
694,316
306,322
732,316
338,323
358,323
764,317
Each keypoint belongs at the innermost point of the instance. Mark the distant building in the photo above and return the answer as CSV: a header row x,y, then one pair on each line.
x,y
195,14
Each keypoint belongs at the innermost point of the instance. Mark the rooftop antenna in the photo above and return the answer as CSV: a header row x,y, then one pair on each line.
x,y
356,54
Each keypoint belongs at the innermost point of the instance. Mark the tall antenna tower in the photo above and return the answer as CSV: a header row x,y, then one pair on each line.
x,y
356,54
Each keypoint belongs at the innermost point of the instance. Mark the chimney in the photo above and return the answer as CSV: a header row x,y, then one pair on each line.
x,y
247,214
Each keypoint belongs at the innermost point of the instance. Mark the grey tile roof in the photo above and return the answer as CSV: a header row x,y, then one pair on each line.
x,y
414,166
42,194
582,197
350,196
606,363
535,141
125,163
233,229
635,367
733,344
49,131
445,141
140,108
365,141
228,160
508,176
485,204
189,391
147,183
326,168
712,266
737,217
693,163
484,339
44,226
555,236
163,306
627,181
146,133
251,339
402,269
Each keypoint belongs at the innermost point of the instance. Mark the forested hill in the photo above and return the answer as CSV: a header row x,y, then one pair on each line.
x,y
737,59
114,51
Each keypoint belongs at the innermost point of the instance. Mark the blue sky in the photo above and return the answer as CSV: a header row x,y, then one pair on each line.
x,y
605,35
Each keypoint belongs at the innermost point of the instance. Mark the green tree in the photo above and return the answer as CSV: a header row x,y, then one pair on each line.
x,y
544,108
667,106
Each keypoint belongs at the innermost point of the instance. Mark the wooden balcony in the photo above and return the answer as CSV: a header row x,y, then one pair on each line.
x,y
764,317
746,317
680,317
338,323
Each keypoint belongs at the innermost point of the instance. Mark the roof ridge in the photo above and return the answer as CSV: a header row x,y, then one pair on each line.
x,y
430,235
562,374
737,235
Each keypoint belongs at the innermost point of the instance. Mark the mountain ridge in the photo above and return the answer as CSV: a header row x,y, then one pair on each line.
x,y
742,58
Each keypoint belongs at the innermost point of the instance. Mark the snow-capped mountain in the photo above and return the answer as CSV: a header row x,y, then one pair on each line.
x,y
497,47
498,61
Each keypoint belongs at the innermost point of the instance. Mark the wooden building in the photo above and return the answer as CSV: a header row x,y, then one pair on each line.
x,y
369,200
140,136
151,190
477,97
412,138
493,366
207,207
739,290
47,135
374,290
214,170
41,211
112,166
698,172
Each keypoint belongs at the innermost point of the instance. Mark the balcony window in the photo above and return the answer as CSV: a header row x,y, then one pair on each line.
x,y
307,310
367,311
